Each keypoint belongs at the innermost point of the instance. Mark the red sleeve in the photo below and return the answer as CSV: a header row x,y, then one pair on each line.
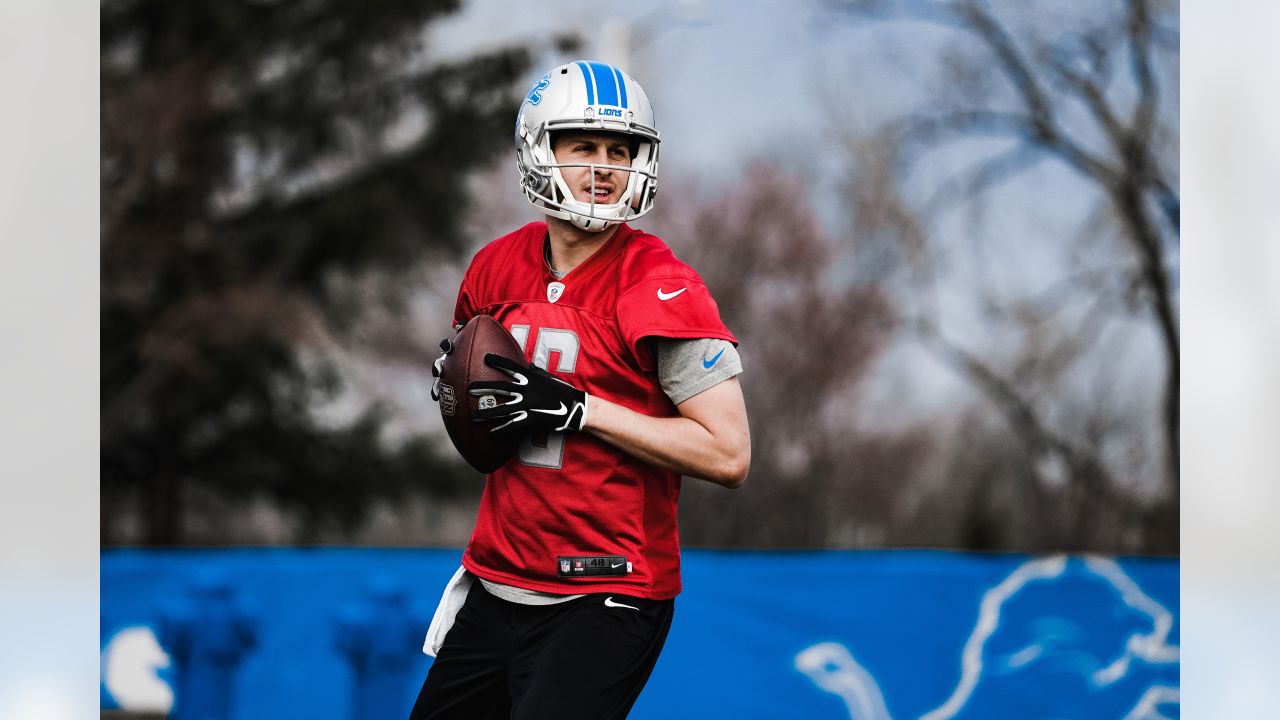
x,y
674,306
465,308
477,289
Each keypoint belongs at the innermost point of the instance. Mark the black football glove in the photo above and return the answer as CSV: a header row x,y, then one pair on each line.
x,y
446,347
540,401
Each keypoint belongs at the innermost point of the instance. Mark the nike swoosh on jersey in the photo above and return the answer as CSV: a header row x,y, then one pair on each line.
x,y
668,296
608,602
707,364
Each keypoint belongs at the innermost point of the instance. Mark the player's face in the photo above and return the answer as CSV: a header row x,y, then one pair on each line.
x,y
599,148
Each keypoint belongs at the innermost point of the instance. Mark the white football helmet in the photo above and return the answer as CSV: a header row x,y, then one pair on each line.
x,y
584,95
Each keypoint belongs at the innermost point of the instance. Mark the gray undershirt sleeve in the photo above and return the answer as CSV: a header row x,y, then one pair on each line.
x,y
687,367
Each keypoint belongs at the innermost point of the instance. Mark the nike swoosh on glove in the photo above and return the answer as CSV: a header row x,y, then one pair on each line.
x,y
539,401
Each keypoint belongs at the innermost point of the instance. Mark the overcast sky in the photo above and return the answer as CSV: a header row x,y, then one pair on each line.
x,y
724,77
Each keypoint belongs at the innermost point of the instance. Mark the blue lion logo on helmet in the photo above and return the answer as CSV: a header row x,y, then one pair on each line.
x,y
535,95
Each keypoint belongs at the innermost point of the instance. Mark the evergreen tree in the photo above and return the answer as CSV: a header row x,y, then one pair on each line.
x,y
259,159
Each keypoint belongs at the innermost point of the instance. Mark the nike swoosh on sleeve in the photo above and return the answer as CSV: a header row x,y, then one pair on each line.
x,y
668,296
707,364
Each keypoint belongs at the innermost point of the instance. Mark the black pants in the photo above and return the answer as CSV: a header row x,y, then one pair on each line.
x,y
577,659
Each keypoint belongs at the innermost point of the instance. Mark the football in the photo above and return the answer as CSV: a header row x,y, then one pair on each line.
x,y
463,366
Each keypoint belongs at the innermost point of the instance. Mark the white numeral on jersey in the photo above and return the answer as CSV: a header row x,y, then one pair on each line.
x,y
552,340
521,334
565,343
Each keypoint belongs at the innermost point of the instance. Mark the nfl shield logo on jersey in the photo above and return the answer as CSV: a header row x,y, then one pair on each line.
x,y
554,291
564,566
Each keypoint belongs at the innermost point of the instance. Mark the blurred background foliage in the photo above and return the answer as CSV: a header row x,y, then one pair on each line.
x,y
268,172
290,192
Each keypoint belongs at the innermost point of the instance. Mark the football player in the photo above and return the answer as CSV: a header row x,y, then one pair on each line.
x,y
568,582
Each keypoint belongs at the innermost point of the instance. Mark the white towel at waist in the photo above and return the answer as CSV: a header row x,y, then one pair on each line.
x,y
455,593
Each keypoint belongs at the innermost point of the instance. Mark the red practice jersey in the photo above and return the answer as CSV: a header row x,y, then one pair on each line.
x,y
570,495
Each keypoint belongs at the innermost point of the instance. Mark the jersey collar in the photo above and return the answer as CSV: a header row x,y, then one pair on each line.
x,y
599,259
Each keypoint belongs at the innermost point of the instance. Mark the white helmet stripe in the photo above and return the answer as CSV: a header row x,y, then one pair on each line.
x,y
589,77
622,84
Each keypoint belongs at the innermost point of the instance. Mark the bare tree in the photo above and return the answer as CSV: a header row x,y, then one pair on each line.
x,y
808,337
1087,89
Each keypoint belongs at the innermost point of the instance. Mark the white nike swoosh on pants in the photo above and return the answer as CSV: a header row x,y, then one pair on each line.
x,y
608,602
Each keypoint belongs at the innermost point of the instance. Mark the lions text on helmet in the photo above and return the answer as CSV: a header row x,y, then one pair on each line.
x,y
601,166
